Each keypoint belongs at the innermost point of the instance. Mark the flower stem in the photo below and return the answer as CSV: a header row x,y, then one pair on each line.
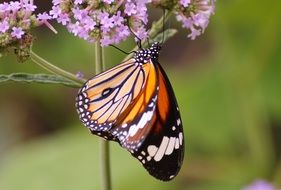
x,y
158,26
104,145
54,69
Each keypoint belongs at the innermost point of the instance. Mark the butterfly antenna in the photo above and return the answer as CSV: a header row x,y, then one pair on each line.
x,y
120,49
139,40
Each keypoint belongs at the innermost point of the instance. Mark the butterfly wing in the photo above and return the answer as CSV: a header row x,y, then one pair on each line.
x,y
151,129
162,152
132,126
134,104
106,96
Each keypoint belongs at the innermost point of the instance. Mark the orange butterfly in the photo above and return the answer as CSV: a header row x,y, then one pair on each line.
x,y
134,104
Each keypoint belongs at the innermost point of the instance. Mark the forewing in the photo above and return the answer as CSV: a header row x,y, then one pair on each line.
x,y
106,96
132,126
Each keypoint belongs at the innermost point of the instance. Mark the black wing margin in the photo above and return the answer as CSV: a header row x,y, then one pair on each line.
x,y
162,151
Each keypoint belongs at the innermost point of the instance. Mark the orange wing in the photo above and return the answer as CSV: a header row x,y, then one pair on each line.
x,y
105,97
133,124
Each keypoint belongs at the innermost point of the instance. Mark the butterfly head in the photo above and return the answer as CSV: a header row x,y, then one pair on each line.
x,y
154,50
152,53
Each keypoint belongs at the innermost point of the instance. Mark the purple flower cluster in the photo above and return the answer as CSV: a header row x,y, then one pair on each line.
x,y
195,15
17,18
107,21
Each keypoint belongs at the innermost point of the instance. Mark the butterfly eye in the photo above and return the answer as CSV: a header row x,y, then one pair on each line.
x,y
106,92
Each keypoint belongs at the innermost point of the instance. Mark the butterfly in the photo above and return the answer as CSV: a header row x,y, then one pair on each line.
x,y
134,104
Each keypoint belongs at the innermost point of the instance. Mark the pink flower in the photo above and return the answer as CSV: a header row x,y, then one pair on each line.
x,y
197,20
130,9
184,2
108,1
17,32
100,22
17,18
4,26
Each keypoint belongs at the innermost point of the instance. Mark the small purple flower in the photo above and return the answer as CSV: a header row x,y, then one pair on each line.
x,y
184,2
55,12
43,16
260,185
79,14
200,19
194,33
29,7
141,33
75,28
79,75
108,1
4,7
105,41
63,19
78,2
4,26
89,23
130,9
105,20
123,32
17,32
118,19
15,5
17,18
56,2
197,20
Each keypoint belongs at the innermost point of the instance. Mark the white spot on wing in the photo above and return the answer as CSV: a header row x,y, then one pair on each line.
x,y
133,130
181,138
177,145
161,151
178,121
171,146
144,119
152,150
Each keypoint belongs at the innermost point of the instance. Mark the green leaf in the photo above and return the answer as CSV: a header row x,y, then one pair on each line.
x,y
38,78
164,36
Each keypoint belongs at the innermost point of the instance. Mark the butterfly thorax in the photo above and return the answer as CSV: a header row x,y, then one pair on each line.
x,y
145,55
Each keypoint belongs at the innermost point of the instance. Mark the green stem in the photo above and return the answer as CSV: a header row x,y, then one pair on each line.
x,y
158,26
54,69
104,145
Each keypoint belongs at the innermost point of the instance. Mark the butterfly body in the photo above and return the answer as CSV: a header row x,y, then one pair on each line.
x,y
134,104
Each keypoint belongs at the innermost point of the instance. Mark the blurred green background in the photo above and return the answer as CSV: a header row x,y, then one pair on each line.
x,y
228,86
